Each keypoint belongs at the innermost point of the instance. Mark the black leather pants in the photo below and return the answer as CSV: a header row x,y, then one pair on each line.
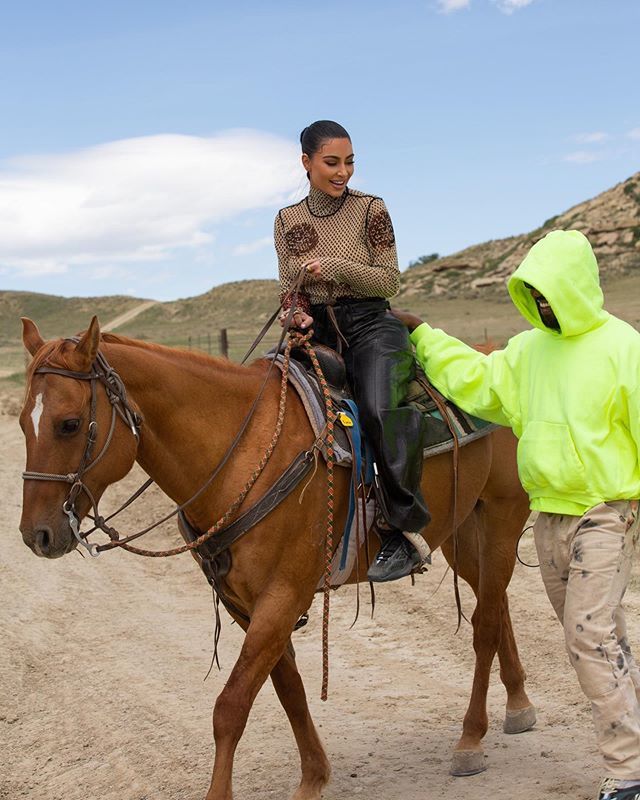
x,y
379,364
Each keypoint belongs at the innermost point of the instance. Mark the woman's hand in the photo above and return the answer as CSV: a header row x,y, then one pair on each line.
x,y
300,319
410,320
314,269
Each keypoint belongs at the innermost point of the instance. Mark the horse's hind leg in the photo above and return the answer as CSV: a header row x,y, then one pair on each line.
x,y
486,558
272,621
314,763
521,713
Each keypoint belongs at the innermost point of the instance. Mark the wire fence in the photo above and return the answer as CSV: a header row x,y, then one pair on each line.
x,y
223,342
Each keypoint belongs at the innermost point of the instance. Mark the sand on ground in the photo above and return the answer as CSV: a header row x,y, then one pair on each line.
x,y
102,691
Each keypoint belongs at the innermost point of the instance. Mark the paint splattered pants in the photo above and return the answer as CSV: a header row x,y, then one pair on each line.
x,y
585,564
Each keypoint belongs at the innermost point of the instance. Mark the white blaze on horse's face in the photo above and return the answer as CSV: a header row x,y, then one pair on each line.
x,y
38,408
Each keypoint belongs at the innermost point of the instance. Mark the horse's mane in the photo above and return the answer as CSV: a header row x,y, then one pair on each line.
x,y
194,356
55,353
486,347
52,354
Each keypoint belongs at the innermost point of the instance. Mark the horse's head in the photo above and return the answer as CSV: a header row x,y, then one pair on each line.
x,y
79,433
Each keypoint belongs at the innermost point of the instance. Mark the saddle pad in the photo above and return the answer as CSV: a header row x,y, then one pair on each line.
x,y
306,386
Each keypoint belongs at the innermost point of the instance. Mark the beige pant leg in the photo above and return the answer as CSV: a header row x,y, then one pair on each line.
x,y
585,563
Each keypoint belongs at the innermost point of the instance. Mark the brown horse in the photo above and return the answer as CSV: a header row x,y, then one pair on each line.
x,y
190,406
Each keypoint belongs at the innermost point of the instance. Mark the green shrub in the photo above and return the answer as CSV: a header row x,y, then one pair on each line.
x,y
424,260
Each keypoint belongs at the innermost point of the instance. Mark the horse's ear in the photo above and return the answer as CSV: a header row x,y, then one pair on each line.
x,y
87,347
31,337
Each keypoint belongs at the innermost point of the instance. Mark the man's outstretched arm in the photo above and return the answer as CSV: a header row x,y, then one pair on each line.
x,y
481,385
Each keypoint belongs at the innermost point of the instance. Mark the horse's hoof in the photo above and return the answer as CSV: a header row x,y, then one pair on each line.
x,y
467,762
519,721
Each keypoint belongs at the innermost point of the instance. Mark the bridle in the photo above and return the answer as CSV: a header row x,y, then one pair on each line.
x,y
101,372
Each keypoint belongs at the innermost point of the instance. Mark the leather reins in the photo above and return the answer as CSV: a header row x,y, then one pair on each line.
x,y
103,373
441,406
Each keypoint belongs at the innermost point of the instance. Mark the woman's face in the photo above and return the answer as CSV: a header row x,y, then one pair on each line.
x,y
330,167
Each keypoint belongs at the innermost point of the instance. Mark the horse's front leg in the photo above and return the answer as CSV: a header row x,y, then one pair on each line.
x,y
272,621
313,759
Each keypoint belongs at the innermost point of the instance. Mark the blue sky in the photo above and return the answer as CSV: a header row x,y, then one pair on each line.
x,y
146,146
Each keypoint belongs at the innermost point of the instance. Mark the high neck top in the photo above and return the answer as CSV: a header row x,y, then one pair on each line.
x,y
352,238
321,204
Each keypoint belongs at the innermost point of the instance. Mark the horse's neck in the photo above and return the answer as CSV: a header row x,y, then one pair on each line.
x,y
191,406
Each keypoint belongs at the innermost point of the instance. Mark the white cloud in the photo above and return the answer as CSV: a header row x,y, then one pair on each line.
x,y
583,157
509,6
447,6
253,247
634,134
591,138
136,199
506,6
35,267
108,271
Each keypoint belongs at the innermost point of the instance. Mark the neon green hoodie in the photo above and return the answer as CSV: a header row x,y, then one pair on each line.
x,y
572,397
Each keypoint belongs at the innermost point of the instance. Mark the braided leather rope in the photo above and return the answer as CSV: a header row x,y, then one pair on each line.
x,y
296,339
328,552
227,516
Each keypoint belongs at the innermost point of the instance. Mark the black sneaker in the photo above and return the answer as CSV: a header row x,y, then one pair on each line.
x,y
610,789
396,558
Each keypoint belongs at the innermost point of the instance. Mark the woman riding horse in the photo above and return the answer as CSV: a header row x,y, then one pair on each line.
x,y
344,240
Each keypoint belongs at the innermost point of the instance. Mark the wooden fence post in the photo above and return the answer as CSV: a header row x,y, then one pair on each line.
x,y
224,343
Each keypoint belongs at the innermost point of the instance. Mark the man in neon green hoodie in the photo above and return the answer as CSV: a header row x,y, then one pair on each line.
x,y
570,390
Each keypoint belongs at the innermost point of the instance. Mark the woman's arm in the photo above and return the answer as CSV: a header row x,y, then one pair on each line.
x,y
287,274
381,276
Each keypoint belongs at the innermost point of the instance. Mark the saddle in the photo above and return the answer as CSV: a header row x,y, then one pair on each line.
x,y
331,364
444,419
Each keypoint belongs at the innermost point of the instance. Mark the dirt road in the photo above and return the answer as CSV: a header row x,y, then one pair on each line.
x,y
132,313
102,694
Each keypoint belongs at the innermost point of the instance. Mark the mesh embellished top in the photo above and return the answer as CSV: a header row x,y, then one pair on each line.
x,y
352,238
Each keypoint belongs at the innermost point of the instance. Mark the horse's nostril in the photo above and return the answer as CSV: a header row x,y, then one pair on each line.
x,y
43,541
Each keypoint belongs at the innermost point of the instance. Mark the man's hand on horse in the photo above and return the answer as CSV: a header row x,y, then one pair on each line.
x,y
410,320
300,319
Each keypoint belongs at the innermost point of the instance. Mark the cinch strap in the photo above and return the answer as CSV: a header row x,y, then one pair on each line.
x,y
351,410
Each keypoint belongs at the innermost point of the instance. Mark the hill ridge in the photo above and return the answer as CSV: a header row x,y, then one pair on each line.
x,y
611,220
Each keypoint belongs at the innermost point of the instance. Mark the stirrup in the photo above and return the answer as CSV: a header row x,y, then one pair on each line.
x,y
419,544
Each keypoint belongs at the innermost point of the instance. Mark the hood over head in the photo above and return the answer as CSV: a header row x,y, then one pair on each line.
x,y
562,266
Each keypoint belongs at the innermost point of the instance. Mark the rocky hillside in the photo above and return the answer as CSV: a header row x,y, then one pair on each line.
x,y
611,221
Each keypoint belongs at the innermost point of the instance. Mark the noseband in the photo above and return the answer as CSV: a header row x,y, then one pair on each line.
x,y
102,373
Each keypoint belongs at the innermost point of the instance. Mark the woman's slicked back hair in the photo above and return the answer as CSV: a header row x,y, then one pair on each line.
x,y
314,135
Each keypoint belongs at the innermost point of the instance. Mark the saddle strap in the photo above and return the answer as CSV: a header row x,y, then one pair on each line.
x,y
283,487
212,553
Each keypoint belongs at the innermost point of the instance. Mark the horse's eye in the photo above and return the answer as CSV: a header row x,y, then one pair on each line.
x,y
69,427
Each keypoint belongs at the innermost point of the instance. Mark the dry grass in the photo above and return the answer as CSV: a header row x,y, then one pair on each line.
x,y
243,307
